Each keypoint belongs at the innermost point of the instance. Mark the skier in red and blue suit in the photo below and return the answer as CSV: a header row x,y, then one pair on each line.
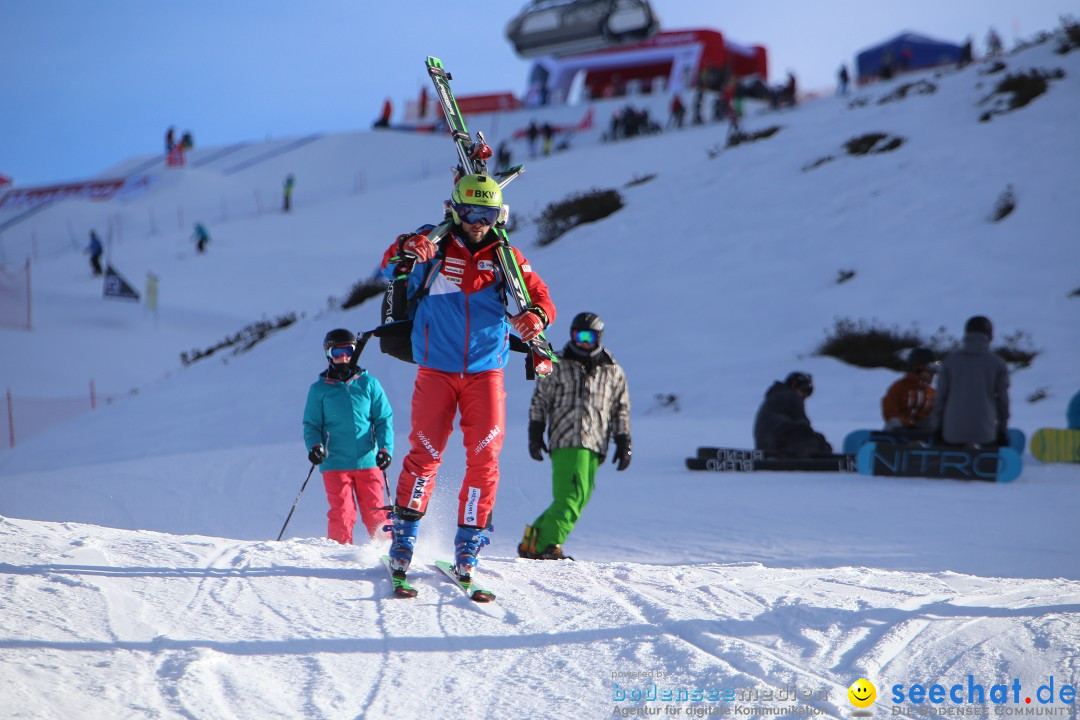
x,y
461,342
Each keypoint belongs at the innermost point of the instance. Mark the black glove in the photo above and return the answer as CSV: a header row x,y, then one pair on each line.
x,y
317,454
1003,440
537,448
382,459
622,452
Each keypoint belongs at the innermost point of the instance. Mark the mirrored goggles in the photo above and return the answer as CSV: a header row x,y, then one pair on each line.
x,y
341,351
586,337
477,213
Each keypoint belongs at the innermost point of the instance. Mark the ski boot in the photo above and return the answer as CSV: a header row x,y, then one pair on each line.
x,y
553,552
467,544
527,548
406,523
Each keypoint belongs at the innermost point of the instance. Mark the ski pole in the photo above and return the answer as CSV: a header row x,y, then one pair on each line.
x,y
297,500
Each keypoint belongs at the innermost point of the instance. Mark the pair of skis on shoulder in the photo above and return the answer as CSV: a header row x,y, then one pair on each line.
x,y
403,589
472,159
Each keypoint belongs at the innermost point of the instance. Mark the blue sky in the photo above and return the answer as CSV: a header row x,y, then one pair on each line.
x,y
101,81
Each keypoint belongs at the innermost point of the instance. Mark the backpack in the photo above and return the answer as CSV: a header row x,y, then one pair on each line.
x,y
395,332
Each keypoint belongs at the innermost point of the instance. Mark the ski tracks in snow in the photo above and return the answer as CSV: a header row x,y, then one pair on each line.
x,y
145,624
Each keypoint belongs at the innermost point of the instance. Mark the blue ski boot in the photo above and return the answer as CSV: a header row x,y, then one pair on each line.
x,y
406,522
467,544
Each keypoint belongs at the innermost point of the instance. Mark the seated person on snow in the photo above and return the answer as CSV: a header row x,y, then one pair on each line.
x,y
909,402
781,426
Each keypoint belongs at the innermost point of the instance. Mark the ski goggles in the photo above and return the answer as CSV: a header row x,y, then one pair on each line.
x,y
341,351
586,337
477,213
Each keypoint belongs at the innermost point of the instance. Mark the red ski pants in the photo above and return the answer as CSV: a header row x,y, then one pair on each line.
x,y
348,490
437,398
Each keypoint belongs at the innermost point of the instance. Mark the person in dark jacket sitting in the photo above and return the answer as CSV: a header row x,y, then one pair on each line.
x,y
781,426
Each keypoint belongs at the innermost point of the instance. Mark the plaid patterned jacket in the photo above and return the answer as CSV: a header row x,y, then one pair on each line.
x,y
584,402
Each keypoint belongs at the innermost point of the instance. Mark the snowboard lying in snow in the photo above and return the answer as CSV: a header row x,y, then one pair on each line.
x,y
720,459
856,438
954,463
1055,445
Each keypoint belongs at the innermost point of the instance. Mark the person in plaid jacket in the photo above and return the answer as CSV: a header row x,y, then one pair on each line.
x,y
581,404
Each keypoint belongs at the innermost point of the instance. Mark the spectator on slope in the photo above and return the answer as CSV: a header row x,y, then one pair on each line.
x,y
383,120
170,140
966,55
531,135
676,112
286,193
909,402
549,138
972,404
502,157
842,80
95,250
781,425
349,433
583,403
187,141
461,341
201,237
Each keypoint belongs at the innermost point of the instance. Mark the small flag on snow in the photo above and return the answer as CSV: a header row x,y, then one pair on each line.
x,y
117,287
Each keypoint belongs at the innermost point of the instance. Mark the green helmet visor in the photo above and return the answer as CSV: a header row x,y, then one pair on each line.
x,y
477,213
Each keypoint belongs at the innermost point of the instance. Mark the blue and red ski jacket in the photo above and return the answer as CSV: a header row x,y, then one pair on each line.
x,y
460,322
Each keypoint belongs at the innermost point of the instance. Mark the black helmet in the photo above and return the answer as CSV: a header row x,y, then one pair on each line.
x,y
980,324
920,359
587,321
800,381
337,338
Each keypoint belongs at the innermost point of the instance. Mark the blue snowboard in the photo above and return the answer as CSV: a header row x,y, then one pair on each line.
x,y
989,465
857,438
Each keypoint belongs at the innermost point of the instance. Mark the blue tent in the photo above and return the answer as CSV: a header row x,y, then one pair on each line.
x,y
920,51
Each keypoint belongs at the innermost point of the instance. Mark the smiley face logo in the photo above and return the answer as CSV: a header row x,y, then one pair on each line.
x,y
862,693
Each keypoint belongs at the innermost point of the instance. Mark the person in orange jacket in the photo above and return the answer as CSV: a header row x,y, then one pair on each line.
x,y
909,401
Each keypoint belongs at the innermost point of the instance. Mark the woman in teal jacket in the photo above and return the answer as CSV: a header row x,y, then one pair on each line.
x,y
349,428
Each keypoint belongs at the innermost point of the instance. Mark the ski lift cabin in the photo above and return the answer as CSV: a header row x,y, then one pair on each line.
x,y
569,27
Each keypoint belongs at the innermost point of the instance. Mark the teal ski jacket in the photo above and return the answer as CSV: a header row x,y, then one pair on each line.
x,y
352,420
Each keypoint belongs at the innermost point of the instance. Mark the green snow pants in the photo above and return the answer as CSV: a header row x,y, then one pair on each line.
x,y
573,474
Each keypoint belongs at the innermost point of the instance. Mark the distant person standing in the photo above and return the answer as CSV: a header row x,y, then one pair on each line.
x,y
549,138
842,80
502,157
286,193
201,237
677,112
170,139
966,52
531,135
972,405
384,117
349,433
95,250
